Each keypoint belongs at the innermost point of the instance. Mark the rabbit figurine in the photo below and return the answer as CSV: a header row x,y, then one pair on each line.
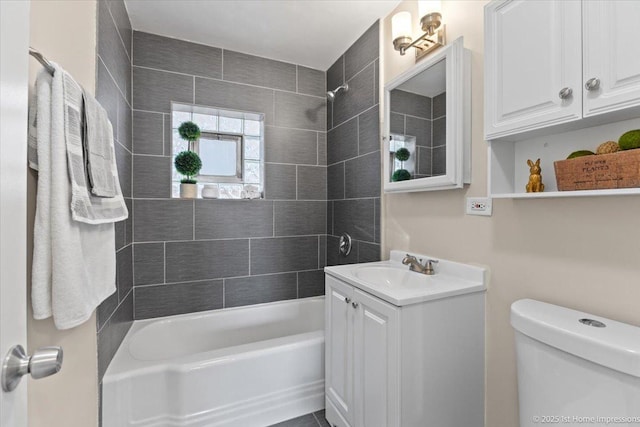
x,y
535,184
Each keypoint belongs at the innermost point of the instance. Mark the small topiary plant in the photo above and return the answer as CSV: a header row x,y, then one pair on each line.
x,y
188,163
402,154
401,175
189,131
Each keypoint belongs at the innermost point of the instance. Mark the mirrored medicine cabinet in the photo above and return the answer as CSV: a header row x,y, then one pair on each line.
x,y
428,123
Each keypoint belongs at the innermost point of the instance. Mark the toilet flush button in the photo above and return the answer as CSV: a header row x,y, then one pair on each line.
x,y
592,322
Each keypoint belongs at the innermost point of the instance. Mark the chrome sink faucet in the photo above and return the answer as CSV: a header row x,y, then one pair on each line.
x,y
417,265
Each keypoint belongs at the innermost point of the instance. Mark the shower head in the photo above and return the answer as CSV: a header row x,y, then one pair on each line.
x,y
331,95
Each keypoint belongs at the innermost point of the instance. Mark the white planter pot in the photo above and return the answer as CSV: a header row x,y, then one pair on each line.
x,y
188,191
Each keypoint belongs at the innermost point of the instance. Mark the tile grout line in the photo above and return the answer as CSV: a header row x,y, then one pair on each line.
x,y
115,25
366,110
358,133
431,148
231,82
279,273
344,180
222,64
114,81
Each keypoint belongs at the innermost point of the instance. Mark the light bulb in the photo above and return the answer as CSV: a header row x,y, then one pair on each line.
x,y
401,25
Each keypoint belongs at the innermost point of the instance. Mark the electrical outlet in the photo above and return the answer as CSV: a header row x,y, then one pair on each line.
x,y
479,206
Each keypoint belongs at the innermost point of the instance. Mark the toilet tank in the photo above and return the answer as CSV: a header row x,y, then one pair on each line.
x,y
575,369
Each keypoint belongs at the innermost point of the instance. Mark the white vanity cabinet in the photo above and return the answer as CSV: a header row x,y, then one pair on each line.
x,y
392,362
550,63
362,341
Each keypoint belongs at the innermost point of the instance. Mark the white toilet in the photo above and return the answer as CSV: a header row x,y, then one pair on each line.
x,y
575,369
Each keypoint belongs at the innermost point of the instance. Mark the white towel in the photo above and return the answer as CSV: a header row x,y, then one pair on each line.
x,y
86,207
98,147
74,266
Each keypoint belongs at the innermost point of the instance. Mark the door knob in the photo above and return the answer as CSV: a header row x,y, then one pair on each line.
x,y
44,362
354,304
347,300
565,92
592,84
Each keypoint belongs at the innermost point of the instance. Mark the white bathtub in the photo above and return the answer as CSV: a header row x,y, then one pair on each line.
x,y
244,367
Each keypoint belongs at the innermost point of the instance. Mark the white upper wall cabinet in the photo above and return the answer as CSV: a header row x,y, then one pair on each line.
x,y
611,54
532,65
560,76
550,63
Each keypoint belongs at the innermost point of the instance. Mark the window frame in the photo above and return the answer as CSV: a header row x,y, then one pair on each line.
x,y
239,139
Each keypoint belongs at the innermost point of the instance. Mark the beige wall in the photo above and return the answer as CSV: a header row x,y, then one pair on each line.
x,y
582,253
65,32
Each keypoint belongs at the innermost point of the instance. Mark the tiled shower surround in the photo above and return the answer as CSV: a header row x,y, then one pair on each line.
x,y
194,255
424,118
177,255
113,91
353,152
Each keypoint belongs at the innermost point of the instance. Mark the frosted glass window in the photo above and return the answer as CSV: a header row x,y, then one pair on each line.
x,y
180,117
252,172
219,156
230,124
206,122
252,148
230,191
252,127
231,147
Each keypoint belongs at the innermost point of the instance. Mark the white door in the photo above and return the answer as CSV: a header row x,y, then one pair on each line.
x,y
376,362
611,55
14,47
533,65
339,346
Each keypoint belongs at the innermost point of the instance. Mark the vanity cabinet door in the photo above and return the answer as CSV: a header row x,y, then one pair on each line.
x,y
533,65
376,362
339,315
610,42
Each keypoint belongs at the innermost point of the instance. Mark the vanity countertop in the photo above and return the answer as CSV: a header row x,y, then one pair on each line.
x,y
395,283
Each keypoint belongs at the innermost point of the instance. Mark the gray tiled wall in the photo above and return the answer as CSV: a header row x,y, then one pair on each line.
x,y
424,118
113,91
193,255
353,152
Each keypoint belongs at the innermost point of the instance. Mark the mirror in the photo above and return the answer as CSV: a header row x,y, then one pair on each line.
x,y
428,124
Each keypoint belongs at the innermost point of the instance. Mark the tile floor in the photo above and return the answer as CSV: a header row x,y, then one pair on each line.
x,y
315,419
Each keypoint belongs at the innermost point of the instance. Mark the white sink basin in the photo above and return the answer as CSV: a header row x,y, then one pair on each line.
x,y
395,283
392,276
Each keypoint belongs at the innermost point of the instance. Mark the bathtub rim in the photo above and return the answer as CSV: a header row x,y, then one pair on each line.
x,y
124,364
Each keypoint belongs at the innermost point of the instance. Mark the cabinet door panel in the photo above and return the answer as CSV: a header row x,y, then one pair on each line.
x,y
339,346
376,346
532,51
611,40
333,416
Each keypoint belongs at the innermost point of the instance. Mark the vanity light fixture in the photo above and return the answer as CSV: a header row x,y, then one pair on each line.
x,y
430,23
